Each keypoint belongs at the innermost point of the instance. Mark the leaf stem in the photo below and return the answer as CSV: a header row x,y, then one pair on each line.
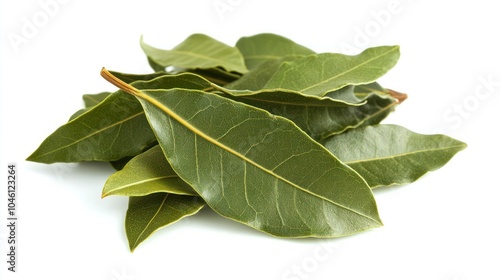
x,y
119,83
398,95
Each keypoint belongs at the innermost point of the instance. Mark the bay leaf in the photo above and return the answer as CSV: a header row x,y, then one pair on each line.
x,y
145,174
130,78
255,168
266,46
324,117
113,129
388,155
147,214
320,74
258,77
197,51
120,164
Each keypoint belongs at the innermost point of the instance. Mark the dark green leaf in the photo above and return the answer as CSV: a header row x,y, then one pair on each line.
x,y
322,117
147,214
256,168
392,155
113,129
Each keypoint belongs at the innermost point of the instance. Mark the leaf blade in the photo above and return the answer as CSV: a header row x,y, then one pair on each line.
x,y
406,157
171,113
113,129
326,72
197,51
263,47
145,174
147,214
319,117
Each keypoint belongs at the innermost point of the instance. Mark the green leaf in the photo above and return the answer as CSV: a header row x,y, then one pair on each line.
x,y
258,77
145,174
323,117
113,129
392,155
147,214
256,168
197,51
320,74
265,47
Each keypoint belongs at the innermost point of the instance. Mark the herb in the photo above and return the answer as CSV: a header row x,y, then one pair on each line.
x,y
266,133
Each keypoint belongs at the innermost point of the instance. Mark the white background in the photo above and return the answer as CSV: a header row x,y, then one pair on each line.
x,y
443,227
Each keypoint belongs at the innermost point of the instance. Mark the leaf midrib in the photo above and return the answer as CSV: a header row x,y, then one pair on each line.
x,y
140,182
349,70
196,131
136,242
92,134
403,154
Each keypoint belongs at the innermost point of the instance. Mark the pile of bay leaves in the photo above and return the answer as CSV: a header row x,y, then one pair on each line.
x,y
267,133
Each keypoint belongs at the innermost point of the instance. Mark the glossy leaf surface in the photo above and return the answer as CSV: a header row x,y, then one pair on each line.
x,y
264,47
197,51
320,74
392,155
250,166
113,129
147,214
145,174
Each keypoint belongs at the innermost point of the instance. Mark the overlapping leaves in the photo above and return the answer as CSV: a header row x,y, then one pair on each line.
x,y
266,133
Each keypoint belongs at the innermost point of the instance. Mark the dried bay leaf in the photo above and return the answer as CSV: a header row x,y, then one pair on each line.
x,y
260,183
197,51
147,214
145,174
392,155
322,120
266,47
111,130
319,74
